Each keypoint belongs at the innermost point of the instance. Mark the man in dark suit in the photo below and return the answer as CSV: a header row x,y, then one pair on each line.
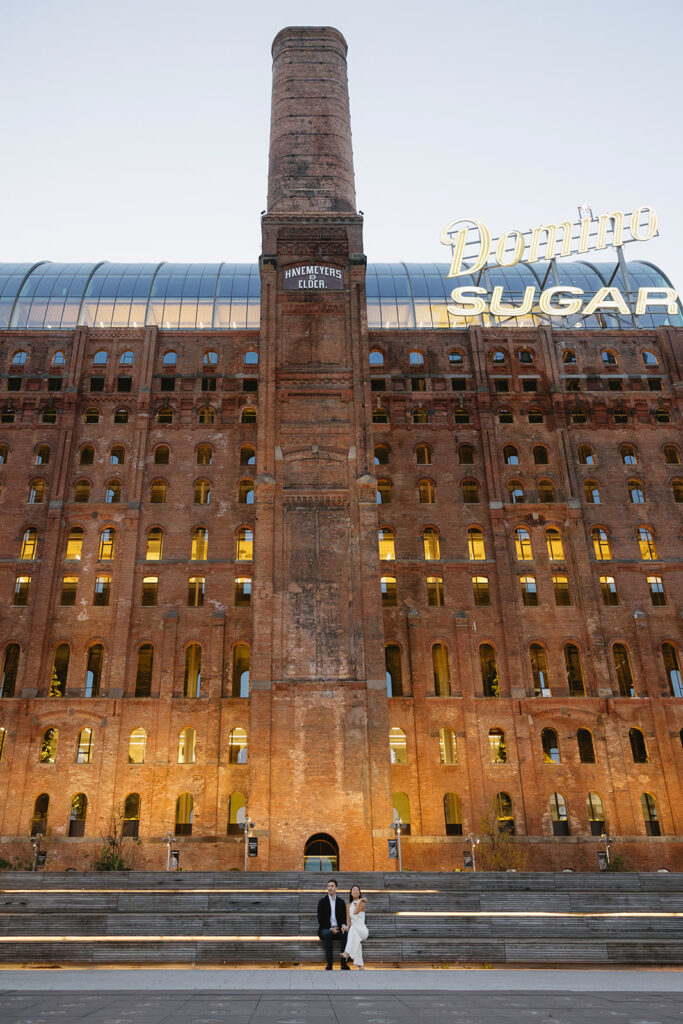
x,y
332,924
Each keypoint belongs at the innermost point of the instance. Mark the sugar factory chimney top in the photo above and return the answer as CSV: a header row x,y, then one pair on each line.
x,y
310,168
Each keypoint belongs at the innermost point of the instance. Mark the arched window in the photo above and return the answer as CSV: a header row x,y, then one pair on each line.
x,y
379,414
448,751
192,678
3,736
481,593
170,358
19,359
237,746
558,812
79,810
58,359
568,357
510,455
86,456
601,544
84,747
204,455
416,358
10,666
60,671
202,492
646,544
387,549
4,454
539,670
540,454
184,812
39,817
672,668
381,455
210,358
91,416
241,657
584,741
586,456
677,489
435,592
497,746
529,591
244,549
591,491
74,543
112,494
187,743
383,492
117,455
165,414
476,550
162,455
430,542
622,666
649,358
650,816
452,814
572,661
662,416
157,492
466,455
242,591
143,671
423,455
504,813
442,672
638,746
29,545
426,492
131,815
82,492
247,455
195,591
237,813
657,592
551,748
199,549
107,544
121,415
516,492
137,746
93,671
420,415
68,595
127,357
206,415
245,492
155,544
608,588
554,545
393,671
150,590
248,414
36,494
596,814
609,357
505,416
489,671
523,545
48,746
398,748
628,454
497,356
535,415
525,356
636,492
546,491
22,587
470,492
402,811
671,455
455,358
389,591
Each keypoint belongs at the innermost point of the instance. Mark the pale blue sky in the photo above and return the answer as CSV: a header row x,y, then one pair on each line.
x,y
139,130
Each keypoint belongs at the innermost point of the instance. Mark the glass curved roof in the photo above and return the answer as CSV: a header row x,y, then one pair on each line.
x,y
219,296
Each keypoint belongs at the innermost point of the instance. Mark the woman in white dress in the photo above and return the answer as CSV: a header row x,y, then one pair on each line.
x,y
357,930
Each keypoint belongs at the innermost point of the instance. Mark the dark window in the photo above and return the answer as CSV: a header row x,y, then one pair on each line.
x,y
584,739
97,383
208,383
54,384
167,384
529,384
459,384
249,384
124,384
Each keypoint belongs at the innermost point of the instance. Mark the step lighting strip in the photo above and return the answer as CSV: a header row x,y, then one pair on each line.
x,y
293,892
537,913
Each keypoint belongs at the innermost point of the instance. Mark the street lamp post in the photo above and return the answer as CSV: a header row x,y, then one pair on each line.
x,y
398,826
473,841
35,843
247,825
168,840
607,841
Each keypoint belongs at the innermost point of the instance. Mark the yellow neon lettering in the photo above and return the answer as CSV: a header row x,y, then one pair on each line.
x,y
563,306
499,308
468,304
461,233
601,300
617,229
584,244
509,259
550,231
647,297
651,224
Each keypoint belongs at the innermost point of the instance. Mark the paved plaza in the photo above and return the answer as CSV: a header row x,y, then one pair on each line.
x,y
186,996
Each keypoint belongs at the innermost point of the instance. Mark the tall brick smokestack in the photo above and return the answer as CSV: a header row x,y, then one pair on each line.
x,y
311,161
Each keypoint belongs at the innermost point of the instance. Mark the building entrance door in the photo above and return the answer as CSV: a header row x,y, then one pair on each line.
x,y
321,853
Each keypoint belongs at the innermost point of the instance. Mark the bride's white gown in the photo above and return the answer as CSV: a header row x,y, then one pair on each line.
x,y
358,932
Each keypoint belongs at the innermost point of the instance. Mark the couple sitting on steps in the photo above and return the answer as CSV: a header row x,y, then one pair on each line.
x,y
336,921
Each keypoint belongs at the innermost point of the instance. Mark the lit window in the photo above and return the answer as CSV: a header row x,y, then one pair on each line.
x,y
650,817
199,550
157,492
601,544
93,672
29,545
561,590
622,666
237,746
470,492
206,415
184,813
448,751
426,492
551,748
393,671
584,740
107,544
452,813
489,671
237,813
195,591
150,587
539,670
192,677
244,551
559,815
22,586
161,455
523,545
245,492
74,543
48,746
143,672
677,488
671,455
204,455
608,588
60,671
241,664
398,748
442,673
475,545
383,492
430,541
657,592
435,593
389,591
187,742
423,455
504,813
84,747
480,591
137,743
82,492
572,661
586,456
247,455
529,591
515,492
497,746
466,455
112,494
69,587
248,415
36,494
591,492
387,550
636,492
553,540
242,591
646,543
672,668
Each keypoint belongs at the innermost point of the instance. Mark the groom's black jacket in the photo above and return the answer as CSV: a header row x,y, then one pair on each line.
x,y
324,913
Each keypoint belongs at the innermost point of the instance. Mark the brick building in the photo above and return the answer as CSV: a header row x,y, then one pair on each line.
x,y
324,552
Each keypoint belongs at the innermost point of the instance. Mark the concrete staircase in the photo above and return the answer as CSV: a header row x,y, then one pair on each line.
x,y
265,918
